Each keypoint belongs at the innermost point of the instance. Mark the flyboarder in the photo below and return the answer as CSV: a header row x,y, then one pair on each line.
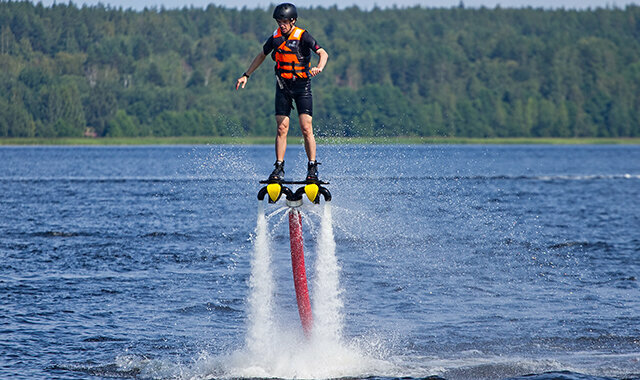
x,y
290,47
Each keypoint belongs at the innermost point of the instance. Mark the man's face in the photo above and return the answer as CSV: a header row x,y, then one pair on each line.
x,y
285,25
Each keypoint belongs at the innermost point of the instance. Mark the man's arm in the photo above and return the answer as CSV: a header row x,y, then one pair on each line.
x,y
324,56
257,61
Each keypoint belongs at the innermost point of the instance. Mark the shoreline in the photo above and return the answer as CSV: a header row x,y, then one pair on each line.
x,y
258,140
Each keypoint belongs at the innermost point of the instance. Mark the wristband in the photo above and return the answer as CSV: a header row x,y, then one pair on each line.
x,y
245,75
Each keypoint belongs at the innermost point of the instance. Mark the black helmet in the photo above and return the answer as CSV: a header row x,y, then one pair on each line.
x,y
285,11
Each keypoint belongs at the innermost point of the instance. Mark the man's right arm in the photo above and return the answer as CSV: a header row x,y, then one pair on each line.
x,y
257,61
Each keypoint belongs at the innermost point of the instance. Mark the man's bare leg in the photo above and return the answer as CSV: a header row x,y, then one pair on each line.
x,y
306,127
281,136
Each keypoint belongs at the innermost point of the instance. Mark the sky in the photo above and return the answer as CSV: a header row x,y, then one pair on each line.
x,y
363,4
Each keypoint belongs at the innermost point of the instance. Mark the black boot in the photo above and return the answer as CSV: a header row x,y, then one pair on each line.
x,y
312,171
278,173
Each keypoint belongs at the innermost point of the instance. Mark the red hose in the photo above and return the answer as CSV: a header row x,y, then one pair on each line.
x,y
299,272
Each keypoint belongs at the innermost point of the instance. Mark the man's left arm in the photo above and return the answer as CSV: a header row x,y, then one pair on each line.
x,y
311,43
324,56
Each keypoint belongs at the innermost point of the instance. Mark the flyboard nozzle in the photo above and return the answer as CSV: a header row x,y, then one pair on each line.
x,y
294,203
312,190
275,191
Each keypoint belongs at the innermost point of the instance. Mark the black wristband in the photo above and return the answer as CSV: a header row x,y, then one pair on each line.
x,y
245,75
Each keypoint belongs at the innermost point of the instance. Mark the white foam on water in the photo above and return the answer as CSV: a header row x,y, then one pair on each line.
x,y
292,356
289,356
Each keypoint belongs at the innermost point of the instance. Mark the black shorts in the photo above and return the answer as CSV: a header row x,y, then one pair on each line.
x,y
298,90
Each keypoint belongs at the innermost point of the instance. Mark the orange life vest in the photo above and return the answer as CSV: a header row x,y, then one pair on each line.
x,y
289,60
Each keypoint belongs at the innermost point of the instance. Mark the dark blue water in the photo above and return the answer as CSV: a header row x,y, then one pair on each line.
x,y
462,262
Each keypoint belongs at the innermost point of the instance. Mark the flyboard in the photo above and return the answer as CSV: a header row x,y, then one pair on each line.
x,y
313,190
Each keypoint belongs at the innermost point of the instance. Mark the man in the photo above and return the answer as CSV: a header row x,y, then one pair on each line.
x,y
290,47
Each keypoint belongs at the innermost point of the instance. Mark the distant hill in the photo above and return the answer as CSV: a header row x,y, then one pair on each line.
x,y
69,71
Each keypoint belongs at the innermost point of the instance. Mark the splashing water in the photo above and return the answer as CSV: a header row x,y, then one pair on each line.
x,y
261,324
326,296
274,350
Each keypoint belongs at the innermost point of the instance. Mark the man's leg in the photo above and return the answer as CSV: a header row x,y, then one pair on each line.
x,y
281,136
306,127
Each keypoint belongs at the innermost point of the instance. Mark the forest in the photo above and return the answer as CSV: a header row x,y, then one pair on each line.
x,y
69,70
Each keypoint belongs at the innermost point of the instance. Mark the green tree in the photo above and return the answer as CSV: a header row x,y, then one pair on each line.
x,y
123,125
63,108
15,121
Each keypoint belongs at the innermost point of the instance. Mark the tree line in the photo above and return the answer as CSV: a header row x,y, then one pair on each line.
x,y
67,71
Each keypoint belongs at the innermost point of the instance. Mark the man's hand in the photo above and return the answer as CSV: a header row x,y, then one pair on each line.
x,y
242,81
315,71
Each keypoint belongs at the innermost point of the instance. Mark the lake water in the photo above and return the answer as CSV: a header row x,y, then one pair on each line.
x,y
461,262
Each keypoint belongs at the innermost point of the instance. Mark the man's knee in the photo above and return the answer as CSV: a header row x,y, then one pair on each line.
x,y
283,129
306,125
283,125
307,131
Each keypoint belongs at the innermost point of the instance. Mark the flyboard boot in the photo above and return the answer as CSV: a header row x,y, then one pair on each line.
x,y
278,173
312,171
